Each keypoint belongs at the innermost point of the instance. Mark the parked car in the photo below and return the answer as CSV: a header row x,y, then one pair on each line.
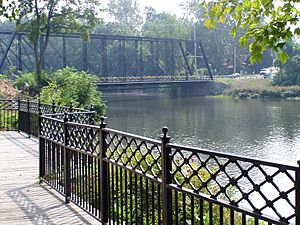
x,y
234,75
265,73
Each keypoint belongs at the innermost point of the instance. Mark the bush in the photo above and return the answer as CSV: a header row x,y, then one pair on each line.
x,y
28,82
68,85
270,94
26,78
289,74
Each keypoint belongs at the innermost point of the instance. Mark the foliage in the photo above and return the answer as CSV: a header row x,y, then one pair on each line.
x,y
258,88
25,79
8,121
28,82
267,24
289,73
68,86
126,15
53,16
165,25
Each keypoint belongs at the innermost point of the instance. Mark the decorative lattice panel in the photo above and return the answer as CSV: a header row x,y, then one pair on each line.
x,y
139,154
263,188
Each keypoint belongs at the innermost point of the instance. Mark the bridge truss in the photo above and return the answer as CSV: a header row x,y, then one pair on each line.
x,y
106,55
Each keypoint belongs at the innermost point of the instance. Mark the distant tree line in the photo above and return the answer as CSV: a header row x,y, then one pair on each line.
x,y
125,18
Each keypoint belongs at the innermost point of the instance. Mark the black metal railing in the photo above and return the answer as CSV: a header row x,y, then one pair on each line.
x,y
23,115
123,178
8,115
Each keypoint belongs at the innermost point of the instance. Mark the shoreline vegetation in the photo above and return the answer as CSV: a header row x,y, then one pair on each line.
x,y
256,89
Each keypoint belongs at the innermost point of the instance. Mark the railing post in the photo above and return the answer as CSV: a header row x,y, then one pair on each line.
x,y
28,117
70,111
41,143
67,171
297,194
104,175
166,178
91,118
53,106
19,107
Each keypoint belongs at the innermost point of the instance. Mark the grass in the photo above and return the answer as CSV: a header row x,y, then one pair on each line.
x,y
257,84
257,88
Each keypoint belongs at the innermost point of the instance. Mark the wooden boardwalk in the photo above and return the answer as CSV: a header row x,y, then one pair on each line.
x,y
22,200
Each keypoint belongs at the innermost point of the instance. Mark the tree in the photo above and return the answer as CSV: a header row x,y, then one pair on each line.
x,y
165,25
126,16
268,23
43,17
70,86
289,73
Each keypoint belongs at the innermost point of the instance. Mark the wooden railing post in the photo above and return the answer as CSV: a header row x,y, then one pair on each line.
x,y
28,117
297,194
104,175
166,178
67,171
41,143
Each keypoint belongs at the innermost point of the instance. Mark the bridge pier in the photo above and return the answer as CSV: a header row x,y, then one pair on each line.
x,y
173,89
201,89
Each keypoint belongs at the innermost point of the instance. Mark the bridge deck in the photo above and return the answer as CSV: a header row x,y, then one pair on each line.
x,y
22,199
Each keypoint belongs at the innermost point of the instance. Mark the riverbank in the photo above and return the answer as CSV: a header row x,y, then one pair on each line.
x,y
257,88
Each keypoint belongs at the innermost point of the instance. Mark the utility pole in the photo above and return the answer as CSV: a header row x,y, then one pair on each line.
x,y
195,48
234,57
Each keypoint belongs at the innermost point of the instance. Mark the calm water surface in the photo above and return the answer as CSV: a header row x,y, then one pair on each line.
x,y
268,130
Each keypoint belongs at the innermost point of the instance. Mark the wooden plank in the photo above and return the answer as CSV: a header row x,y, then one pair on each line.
x,y
22,199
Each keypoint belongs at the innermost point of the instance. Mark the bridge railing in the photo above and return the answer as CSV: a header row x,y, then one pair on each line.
x,y
129,79
124,178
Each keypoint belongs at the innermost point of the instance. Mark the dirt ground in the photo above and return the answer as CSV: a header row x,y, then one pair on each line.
x,y
7,90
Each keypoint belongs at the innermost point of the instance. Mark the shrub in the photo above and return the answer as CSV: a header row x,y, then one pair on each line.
x,y
290,73
270,94
68,85
28,82
28,78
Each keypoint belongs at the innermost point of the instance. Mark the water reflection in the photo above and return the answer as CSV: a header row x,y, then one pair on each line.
x,y
267,130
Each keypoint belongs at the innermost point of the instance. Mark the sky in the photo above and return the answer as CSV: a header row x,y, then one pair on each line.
x,y
162,5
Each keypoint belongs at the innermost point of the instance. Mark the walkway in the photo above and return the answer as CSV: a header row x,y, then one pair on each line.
x,y
22,200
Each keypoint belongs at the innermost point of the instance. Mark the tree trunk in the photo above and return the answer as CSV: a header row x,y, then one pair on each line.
x,y
38,63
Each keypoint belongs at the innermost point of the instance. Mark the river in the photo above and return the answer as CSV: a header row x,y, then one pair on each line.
x,y
268,130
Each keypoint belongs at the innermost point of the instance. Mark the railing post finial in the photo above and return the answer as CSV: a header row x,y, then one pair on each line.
x,y
92,107
165,133
102,124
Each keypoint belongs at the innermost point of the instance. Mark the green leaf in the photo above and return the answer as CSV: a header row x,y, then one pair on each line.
x,y
280,45
233,31
244,41
297,31
283,57
210,23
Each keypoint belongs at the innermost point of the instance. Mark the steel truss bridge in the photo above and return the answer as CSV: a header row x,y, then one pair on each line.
x,y
113,58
